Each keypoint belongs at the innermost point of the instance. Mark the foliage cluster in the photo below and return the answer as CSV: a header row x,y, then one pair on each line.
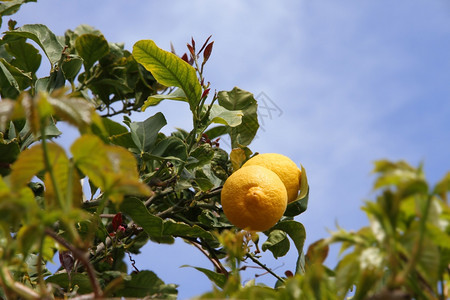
x,y
149,187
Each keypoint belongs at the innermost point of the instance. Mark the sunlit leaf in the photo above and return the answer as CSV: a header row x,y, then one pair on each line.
x,y
28,164
76,111
221,115
237,157
169,70
112,168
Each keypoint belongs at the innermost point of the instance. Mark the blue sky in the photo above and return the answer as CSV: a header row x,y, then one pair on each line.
x,y
349,82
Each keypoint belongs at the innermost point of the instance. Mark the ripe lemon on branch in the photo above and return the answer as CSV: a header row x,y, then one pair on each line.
x,y
254,198
284,167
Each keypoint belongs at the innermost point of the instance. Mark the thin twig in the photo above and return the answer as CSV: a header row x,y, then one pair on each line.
x,y
78,254
215,261
256,261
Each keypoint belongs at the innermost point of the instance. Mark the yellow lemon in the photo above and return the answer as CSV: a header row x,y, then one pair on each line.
x,y
254,198
284,167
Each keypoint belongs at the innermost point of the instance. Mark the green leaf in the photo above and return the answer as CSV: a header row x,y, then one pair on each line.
x,y
180,229
169,70
91,47
28,164
145,283
295,230
240,100
71,66
151,224
157,228
8,84
9,151
79,279
221,115
217,131
153,100
144,133
46,39
277,243
443,186
200,156
76,111
112,168
299,205
26,57
10,7
171,147
301,264
23,79
218,278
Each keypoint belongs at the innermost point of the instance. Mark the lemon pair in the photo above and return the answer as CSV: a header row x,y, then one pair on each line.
x,y
256,196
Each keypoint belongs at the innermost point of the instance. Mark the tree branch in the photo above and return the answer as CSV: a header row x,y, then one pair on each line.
x,y
80,255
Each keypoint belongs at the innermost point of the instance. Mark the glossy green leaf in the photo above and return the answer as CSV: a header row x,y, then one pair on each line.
x,y
240,100
277,243
144,133
91,47
169,70
46,39
218,278
295,230
299,205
